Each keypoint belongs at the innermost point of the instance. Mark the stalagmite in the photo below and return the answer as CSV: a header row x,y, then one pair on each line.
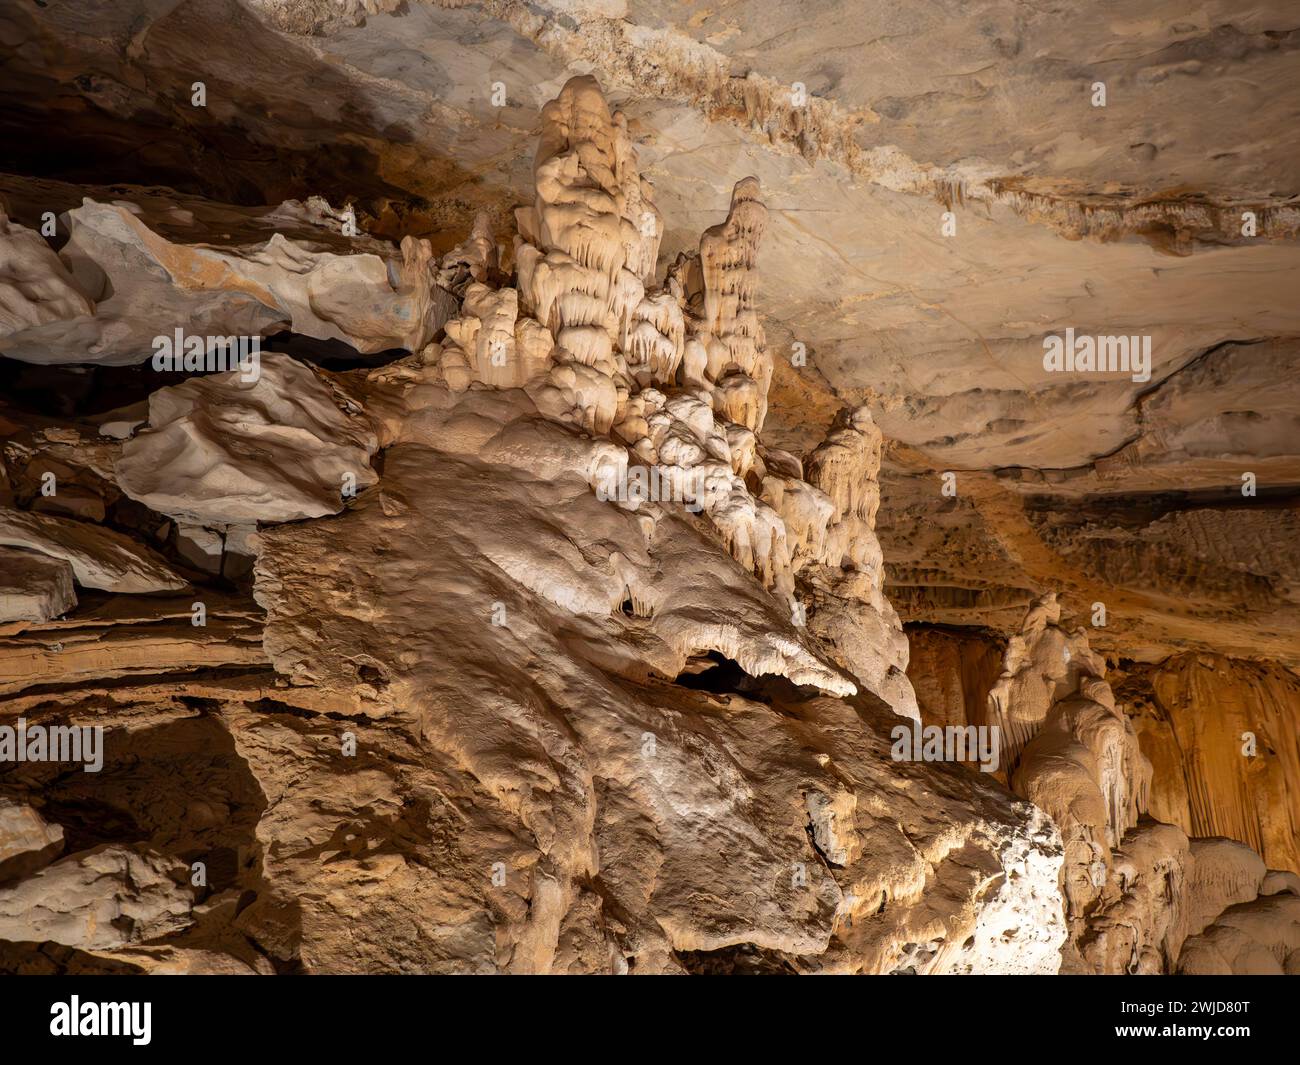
x,y
729,331
585,255
1067,748
846,578
473,260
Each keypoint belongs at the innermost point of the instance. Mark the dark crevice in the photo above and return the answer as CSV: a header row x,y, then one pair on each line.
x,y
275,706
745,959
74,391
717,674
714,672
335,355
1136,509
89,685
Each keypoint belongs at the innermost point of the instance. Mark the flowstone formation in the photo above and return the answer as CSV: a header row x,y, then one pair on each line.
x,y
1140,897
678,372
518,647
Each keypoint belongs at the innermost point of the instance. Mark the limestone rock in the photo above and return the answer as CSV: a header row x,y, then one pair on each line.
x,y
34,587
99,557
101,898
151,285
850,609
1068,749
134,298
1259,938
35,286
222,451
27,841
1222,735
610,489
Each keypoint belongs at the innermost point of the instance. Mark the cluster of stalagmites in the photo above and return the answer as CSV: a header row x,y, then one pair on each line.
x,y
678,371
1140,897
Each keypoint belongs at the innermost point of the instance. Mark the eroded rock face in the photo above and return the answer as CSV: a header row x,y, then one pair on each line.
x,y
99,899
35,286
223,450
555,623
99,557
630,788
635,790
1107,218
27,841
34,587
219,293
1222,737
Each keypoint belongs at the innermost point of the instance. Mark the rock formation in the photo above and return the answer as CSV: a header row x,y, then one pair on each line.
x,y
584,559
196,458
1135,889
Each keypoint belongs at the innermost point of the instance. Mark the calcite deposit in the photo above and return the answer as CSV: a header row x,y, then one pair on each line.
x,y
577,488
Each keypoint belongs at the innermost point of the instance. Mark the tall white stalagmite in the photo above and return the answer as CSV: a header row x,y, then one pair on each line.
x,y
847,578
